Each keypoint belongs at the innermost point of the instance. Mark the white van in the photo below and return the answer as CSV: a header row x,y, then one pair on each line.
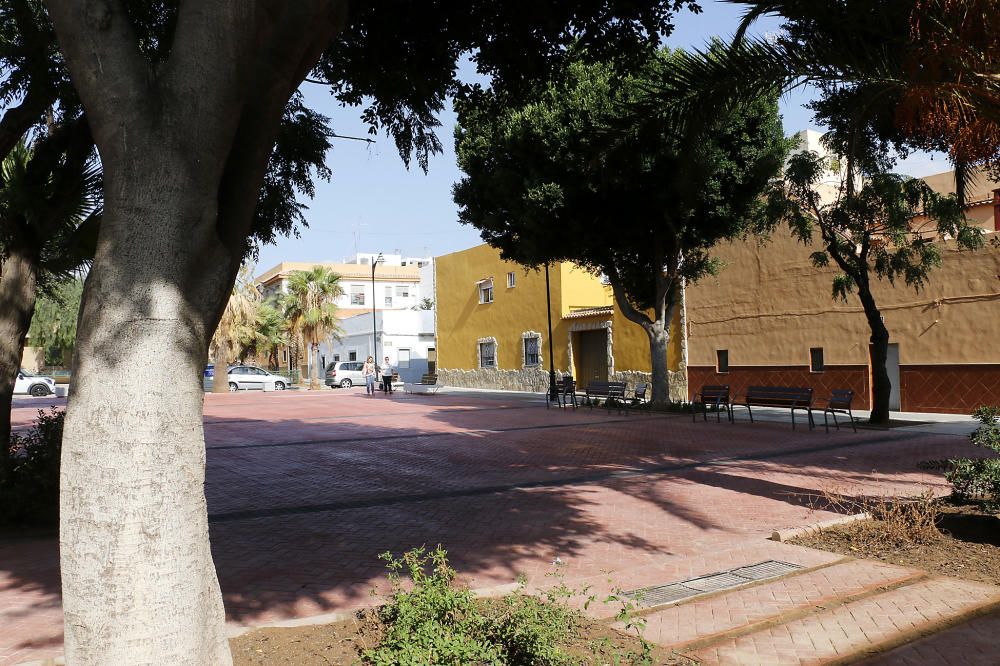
x,y
345,374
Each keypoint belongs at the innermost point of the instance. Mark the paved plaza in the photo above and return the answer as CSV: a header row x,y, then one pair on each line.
x,y
306,489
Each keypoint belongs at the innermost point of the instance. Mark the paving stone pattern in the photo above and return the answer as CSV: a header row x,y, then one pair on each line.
x,y
306,489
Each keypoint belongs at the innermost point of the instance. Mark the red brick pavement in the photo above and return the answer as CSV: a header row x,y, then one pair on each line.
x,y
973,642
304,490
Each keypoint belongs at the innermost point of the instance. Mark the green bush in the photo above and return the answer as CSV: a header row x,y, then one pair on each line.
x,y
429,620
978,479
29,495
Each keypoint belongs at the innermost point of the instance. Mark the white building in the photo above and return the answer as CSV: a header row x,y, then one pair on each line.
x,y
405,336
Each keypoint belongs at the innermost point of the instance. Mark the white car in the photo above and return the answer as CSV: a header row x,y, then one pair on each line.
x,y
345,374
252,377
36,385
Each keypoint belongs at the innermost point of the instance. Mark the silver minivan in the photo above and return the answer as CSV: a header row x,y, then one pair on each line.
x,y
345,374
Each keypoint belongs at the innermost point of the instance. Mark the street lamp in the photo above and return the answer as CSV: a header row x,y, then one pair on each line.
x,y
375,262
553,391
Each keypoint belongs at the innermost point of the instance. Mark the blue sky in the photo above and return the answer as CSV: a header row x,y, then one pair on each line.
x,y
374,201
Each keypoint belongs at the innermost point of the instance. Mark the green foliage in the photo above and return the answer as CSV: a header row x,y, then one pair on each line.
x,y
53,326
431,621
29,493
979,479
309,304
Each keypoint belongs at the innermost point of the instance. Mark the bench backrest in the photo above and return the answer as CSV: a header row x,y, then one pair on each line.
x,y
780,395
715,392
429,378
640,391
841,398
606,388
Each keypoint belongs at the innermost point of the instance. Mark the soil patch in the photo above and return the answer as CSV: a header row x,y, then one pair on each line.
x,y
342,643
968,545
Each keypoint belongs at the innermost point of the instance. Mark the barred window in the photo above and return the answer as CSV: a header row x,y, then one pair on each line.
x,y
487,355
531,351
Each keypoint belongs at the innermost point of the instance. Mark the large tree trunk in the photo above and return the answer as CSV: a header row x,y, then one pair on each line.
x,y
139,584
314,383
881,385
659,341
18,280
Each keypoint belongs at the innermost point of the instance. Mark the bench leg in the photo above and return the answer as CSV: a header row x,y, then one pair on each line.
x,y
851,416
793,418
750,412
835,422
826,423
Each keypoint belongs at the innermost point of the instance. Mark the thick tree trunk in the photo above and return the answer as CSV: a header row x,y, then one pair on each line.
x,y
18,280
139,584
881,385
659,341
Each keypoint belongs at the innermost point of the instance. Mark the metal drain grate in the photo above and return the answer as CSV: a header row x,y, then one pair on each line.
x,y
723,580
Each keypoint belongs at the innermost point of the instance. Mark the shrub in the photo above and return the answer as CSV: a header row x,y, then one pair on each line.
x,y
978,479
30,493
429,620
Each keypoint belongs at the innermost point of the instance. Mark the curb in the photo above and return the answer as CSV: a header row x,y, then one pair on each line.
x,y
786,535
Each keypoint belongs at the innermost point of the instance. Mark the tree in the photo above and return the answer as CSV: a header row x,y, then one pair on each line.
x,y
53,326
920,73
311,311
570,176
237,327
49,205
185,101
270,333
866,230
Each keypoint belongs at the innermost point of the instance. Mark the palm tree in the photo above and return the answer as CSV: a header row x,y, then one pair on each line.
x,y
50,208
270,332
237,326
311,311
920,73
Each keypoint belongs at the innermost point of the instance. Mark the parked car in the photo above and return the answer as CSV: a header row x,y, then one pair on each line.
x,y
345,374
252,377
35,385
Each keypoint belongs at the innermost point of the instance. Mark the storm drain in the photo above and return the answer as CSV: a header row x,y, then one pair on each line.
x,y
723,580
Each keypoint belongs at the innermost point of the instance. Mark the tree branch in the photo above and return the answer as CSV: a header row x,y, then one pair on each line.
x,y
18,120
625,305
108,71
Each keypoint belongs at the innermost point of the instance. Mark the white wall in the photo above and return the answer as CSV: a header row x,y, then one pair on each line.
x,y
410,330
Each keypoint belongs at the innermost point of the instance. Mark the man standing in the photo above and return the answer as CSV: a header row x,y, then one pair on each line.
x,y
386,369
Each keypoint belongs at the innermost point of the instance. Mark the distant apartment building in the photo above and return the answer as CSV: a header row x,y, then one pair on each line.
x,y
401,284
492,326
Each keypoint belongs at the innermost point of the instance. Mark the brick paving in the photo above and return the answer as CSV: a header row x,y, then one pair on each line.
x,y
972,643
859,625
305,489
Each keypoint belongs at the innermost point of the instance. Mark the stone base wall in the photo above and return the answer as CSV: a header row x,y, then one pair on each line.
x,y
534,380
677,382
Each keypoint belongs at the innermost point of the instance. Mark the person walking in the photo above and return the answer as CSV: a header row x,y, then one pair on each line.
x,y
368,371
386,376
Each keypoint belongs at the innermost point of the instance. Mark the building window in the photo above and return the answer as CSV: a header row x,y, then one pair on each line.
x,y
722,360
403,358
388,297
487,353
352,356
357,294
511,280
816,359
486,291
403,292
531,357
336,357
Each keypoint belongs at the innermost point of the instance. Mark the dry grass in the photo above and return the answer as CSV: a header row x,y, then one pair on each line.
x,y
895,521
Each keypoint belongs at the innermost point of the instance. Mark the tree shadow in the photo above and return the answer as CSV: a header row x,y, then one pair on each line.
x,y
304,492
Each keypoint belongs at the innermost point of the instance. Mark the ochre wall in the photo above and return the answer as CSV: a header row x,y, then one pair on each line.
x,y
462,319
631,344
769,305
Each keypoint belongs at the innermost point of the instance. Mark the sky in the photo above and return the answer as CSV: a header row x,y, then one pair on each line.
x,y
374,204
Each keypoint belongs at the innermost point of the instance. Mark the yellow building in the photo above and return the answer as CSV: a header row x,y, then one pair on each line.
x,y
492,326
769,319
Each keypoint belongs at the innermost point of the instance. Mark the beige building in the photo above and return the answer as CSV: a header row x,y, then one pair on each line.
x,y
770,319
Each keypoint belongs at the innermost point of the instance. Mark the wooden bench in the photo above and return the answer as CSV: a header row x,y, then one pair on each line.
x,y
606,391
566,393
716,395
839,403
427,385
793,397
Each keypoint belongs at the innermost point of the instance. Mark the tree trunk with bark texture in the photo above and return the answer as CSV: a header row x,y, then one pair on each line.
x,y
184,146
659,342
314,381
18,281
657,328
881,385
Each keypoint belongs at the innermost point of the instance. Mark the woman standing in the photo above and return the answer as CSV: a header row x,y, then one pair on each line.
x,y
386,376
368,372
